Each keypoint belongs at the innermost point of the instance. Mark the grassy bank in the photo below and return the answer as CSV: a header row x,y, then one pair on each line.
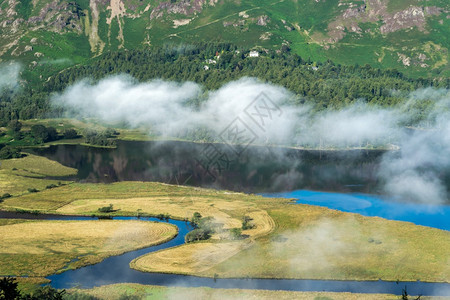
x,y
316,243
149,292
143,134
19,176
41,248
287,241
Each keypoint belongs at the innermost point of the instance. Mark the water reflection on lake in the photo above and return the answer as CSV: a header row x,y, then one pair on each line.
x,y
258,169
339,180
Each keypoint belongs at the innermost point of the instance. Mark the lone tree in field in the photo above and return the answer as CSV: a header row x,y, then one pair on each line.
x,y
106,209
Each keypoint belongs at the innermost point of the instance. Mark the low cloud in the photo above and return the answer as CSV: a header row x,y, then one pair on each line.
x,y
9,75
412,173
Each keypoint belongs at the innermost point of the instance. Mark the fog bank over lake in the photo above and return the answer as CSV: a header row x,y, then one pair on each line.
x,y
248,111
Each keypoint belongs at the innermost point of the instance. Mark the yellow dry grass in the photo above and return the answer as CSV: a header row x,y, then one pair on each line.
x,y
317,243
40,248
149,292
188,259
148,196
154,199
192,258
228,213
288,241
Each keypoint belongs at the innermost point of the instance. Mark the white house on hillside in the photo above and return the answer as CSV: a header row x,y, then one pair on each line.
x,y
253,54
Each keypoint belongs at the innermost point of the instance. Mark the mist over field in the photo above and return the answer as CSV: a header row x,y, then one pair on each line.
x,y
9,75
411,173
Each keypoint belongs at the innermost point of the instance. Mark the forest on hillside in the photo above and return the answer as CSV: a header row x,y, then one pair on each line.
x,y
323,85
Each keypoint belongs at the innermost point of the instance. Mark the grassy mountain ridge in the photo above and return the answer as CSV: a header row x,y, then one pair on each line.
x,y
410,35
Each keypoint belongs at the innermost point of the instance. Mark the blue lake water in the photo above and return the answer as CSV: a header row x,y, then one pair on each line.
x,y
437,216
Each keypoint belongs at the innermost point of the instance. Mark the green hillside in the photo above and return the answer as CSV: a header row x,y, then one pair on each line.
x,y
409,35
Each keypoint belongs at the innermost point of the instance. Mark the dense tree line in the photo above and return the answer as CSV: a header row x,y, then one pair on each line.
x,y
325,85
39,134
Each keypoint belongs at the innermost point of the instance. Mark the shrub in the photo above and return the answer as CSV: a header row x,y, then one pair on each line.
x,y
14,125
47,292
5,195
236,233
163,217
79,296
9,152
70,134
197,235
94,137
52,134
106,209
195,219
32,190
39,132
246,223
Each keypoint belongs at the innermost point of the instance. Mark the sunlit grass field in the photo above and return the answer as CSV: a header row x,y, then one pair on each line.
x,y
287,241
19,175
41,248
160,292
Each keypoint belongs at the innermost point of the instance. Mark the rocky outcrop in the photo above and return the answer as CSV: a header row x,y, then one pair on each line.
x,y
262,20
412,17
373,11
184,7
59,16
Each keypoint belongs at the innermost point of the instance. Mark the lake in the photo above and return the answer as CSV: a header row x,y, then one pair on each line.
x,y
257,169
436,216
343,180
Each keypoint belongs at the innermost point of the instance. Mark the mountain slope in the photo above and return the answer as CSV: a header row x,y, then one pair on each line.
x,y
410,35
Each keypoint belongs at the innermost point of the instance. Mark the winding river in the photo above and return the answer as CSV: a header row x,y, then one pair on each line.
x,y
344,180
116,269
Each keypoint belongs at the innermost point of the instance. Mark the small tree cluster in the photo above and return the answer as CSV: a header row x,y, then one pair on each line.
x,y
204,227
197,235
100,138
246,223
43,134
14,126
